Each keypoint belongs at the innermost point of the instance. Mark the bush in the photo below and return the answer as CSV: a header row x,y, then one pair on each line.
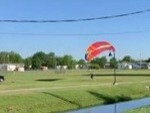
x,y
94,66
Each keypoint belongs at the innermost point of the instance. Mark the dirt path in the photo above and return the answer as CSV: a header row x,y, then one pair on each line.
x,y
65,87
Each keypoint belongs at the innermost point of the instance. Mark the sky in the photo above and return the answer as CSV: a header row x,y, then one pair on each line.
x,y
130,35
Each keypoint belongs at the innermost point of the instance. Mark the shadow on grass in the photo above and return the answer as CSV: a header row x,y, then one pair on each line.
x,y
64,99
121,75
110,100
48,80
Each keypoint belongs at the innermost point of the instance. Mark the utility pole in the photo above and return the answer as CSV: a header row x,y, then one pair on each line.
x,y
114,83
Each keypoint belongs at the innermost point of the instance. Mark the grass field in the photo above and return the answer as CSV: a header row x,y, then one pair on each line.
x,y
145,109
46,91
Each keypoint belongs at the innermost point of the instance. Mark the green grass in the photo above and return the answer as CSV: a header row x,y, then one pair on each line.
x,y
46,91
145,109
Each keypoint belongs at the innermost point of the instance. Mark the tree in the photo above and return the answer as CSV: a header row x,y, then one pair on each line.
x,y
28,63
51,60
100,61
4,57
94,66
69,61
66,60
127,59
10,57
148,60
15,57
81,63
113,62
59,60
38,60
36,63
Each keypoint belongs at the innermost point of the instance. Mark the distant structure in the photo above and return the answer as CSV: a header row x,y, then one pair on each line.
x,y
61,69
134,65
124,65
12,67
44,68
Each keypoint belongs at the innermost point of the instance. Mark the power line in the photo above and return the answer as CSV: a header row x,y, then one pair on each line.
x,y
77,34
77,20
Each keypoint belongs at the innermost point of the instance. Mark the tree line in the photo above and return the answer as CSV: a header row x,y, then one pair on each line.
x,y
50,60
38,60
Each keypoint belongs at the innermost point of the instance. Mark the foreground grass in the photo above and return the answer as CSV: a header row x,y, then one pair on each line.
x,y
145,109
45,92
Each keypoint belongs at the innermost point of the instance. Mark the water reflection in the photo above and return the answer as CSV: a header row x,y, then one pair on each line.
x,y
115,108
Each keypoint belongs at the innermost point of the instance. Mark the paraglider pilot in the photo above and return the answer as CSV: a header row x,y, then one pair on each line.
x,y
92,75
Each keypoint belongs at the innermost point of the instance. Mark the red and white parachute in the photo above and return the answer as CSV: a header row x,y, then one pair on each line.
x,y
97,48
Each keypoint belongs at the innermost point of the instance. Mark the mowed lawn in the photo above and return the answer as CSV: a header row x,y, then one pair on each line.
x,y
145,109
47,91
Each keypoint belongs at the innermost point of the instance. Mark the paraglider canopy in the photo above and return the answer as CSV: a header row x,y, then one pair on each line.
x,y
97,48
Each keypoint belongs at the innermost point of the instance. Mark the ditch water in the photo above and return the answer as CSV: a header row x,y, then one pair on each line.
x,y
115,108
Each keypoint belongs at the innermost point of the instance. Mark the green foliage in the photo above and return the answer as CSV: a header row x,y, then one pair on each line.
x,y
127,59
40,59
15,57
144,109
81,63
69,61
66,60
113,62
36,63
100,61
10,57
148,60
94,66
4,57
50,60
28,63
59,61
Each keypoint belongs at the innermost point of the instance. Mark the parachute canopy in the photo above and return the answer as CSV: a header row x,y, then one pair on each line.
x,y
97,48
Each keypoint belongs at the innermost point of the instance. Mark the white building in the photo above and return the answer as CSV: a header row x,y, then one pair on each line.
x,y
148,65
12,67
124,65
134,65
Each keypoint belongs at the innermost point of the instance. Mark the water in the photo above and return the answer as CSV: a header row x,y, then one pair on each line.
x,y
115,108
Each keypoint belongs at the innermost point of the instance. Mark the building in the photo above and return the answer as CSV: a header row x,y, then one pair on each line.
x,y
12,67
125,65
44,68
134,65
